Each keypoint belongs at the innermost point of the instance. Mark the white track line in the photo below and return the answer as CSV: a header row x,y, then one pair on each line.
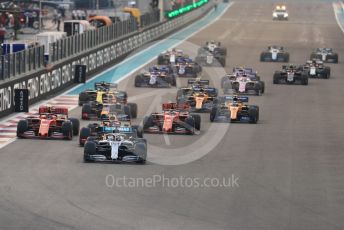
x,y
335,7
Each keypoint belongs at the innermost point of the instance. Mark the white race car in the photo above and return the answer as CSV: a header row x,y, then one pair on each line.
x,y
280,13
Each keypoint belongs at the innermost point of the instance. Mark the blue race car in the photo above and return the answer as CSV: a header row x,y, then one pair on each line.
x,y
158,76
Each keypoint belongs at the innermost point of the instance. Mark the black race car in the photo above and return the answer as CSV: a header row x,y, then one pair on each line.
x,y
116,144
316,69
291,74
186,67
157,77
325,54
274,54
212,54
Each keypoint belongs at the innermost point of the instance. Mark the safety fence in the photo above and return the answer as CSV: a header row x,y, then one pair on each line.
x,y
32,59
99,56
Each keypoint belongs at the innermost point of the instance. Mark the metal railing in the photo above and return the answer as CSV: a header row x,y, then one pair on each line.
x,y
32,59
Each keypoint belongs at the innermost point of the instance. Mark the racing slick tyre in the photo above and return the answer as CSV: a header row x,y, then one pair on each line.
x,y
133,110
138,80
22,127
86,111
222,61
141,150
76,125
84,134
89,149
284,57
262,83
83,97
139,130
161,60
304,80
258,89
213,114
67,130
254,115
148,122
276,79
313,56
197,119
335,58
190,124
264,56
327,73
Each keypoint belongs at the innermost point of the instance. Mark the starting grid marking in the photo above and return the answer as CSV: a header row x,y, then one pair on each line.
x,y
8,127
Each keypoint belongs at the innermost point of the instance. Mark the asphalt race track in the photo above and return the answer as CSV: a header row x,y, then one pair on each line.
x,y
289,166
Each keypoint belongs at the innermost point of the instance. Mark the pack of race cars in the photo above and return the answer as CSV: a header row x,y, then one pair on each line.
x,y
111,137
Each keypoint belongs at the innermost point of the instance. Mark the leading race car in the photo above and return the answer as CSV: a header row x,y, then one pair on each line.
x,y
232,109
243,81
274,54
156,76
198,94
50,122
101,89
291,74
116,144
212,54
325,54
316,69
280,13
175,119
94,129
170,56
186,67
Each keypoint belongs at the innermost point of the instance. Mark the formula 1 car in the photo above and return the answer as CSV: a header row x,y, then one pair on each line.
x,y
101,90
280,13
243,81
211,54
198,95
232,109
50,122
95,129
316,69
186,67
291,74
98,111
175,119
156,76
170,56
116,145
325,54
274,54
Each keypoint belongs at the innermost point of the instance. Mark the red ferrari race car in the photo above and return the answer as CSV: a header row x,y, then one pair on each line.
x,y
50,122
175,119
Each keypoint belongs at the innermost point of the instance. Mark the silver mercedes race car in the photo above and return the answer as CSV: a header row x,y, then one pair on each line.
x,y
116,145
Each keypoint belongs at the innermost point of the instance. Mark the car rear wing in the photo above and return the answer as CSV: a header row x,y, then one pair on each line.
x,y
223,99
201,82
105,85
175,106
246,70
44,109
